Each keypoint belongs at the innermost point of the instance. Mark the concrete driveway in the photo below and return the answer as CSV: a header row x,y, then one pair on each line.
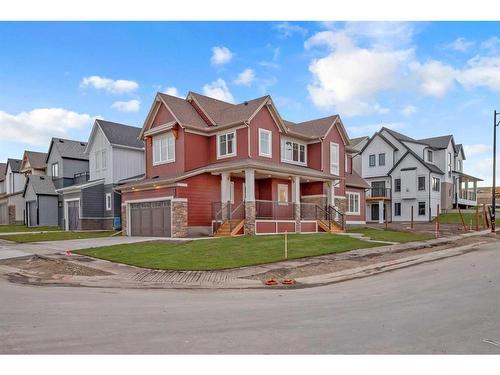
x,y
10,250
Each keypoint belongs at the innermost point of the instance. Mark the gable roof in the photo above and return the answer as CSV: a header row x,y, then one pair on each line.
x,y
379,134
354,141
68,149
438,142
313,128
355,180
460,148
42,185
15,165
36,159
183,111
433,168
120,134
3,171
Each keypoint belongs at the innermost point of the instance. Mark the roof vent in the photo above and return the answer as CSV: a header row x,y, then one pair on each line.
x,y
42,178
61,141
245,103
83,143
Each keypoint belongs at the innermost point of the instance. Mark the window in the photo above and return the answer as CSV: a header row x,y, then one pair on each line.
x,y
226,145
104,160
421,208
163,148
397,185
353,203
430,156
282,193
108,201
265,143
97,163
436,184
294,152
334,159
459,167
381,159
421,182
55,170
449,163
372,160
397,209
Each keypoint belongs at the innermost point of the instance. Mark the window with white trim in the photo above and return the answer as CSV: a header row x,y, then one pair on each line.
x,y
104,159
436,184
226,145
55,170
265,143
430,156
293,152
353,203
163,148
371,160
108,201
397,209
334,158
97,162
282,193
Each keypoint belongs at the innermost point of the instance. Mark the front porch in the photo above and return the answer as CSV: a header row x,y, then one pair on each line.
x,y
264,202
465,196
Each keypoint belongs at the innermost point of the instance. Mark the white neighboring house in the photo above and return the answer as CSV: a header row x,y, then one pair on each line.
x,y
11,200
115,154
408,175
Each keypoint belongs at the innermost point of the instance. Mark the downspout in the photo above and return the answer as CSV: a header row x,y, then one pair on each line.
x,y
430,202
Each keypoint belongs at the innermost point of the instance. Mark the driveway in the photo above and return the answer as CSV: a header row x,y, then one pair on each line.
x,y
14,250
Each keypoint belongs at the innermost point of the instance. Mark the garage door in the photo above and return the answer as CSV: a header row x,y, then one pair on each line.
x,y
152,219
4,214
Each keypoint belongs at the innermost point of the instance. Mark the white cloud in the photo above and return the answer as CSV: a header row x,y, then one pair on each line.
x,y
172,91
477,149
409,110
492,44
381,35
461,44
436,78
218,89
349,77
369,129
39,125
120,86
481,72
246,77
286,29
129,106
221,55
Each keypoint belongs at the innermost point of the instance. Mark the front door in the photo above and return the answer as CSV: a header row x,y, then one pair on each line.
x,y
375,212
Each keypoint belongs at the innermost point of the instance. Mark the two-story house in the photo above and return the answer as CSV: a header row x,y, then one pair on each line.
x,y
11,201
3,207
218,168
66,165
412,178
114,153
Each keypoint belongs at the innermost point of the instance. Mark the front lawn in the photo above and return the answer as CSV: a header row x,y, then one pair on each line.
x,y
54,236
23,228
469,218
391,235
222,253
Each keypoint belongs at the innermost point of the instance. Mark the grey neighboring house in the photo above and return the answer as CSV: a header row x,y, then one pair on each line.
x,y
115,154
41,201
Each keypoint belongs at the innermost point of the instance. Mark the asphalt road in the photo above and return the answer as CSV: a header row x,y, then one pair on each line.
x,y
448,306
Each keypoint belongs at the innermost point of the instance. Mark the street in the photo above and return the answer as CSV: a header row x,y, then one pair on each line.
x,y
448,306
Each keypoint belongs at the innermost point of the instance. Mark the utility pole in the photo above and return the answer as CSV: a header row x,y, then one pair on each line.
x,y
493,190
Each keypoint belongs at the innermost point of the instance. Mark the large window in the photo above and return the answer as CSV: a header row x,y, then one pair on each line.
x,y
421,208
265,143
55,170
397,209
421,182
436,184
371,160
334,159
353,203
397,185
381,159
226,145
282,193
294,152
163,148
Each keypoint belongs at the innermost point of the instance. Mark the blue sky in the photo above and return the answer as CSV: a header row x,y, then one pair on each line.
x,y
423,79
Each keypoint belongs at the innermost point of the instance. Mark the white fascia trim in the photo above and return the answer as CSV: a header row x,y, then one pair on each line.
x,y
362,222
159,129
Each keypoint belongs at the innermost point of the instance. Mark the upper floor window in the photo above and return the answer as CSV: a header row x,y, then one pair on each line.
x,y
265,143
334,159
226,145
371,161
55,170
108,201
294,152
104,159
436,184
163,148
397,185
381,159
97,156
430,156
421,182
449,163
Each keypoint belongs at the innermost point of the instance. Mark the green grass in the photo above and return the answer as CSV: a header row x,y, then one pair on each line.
x,y
223,253
454,218
53,236
22,228
392,235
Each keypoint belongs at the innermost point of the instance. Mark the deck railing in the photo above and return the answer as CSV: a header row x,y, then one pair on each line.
x,y
227,211
378,192
274,210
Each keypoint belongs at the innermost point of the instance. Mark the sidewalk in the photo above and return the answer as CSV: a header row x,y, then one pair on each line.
x,y
115,275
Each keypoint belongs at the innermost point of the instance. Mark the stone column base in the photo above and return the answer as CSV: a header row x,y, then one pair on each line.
x,y
124,219
179,218
250,218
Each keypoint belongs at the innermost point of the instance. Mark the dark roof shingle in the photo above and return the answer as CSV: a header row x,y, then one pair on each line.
x,y
37,160
42,185
437,142
313,128
69,149
15,164
120,134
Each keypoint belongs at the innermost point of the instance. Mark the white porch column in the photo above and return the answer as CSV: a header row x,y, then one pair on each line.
x,y
330,194
475,190
250,209
467,189
296,201
249,185
381,212
225,188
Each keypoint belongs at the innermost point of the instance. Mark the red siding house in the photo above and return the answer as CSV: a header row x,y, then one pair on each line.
x,y
219,168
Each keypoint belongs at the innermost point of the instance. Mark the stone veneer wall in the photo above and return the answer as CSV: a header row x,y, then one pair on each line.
x,y
179,219
250,218
124,220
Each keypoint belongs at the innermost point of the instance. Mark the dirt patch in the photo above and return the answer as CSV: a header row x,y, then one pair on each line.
x,y
50,268
335,265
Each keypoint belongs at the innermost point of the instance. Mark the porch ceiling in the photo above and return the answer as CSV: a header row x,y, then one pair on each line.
x,y
263,174
466,177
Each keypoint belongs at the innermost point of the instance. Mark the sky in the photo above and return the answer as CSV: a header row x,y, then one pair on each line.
x,y
423,79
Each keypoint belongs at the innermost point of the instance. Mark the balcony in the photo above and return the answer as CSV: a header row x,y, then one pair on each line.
x,y
467,197
378,193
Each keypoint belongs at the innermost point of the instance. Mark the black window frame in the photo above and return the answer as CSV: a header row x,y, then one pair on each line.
x,y
419,207
379,159
430,156
397,187
418,183
397,209
370,158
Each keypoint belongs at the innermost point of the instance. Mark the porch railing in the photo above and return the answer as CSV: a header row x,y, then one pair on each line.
x,y
378,192
227,211
273,210
468,195
328,214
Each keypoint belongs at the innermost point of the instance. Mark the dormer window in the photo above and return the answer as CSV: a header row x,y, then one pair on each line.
x,y
226,145
430,156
